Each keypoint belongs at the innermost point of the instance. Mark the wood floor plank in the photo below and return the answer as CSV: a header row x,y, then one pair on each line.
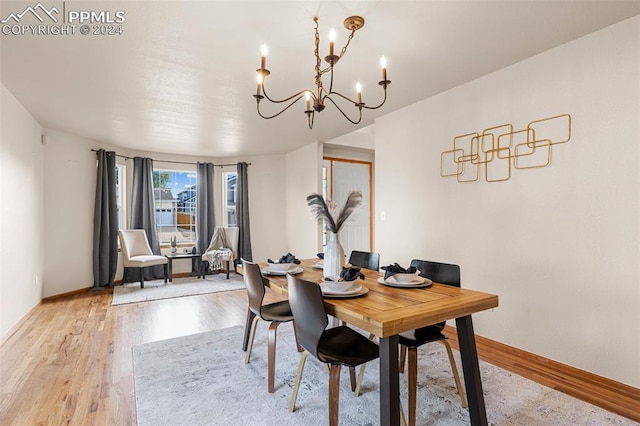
x,y
70,360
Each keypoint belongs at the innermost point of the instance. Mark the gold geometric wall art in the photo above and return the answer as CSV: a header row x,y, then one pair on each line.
x,y
498,150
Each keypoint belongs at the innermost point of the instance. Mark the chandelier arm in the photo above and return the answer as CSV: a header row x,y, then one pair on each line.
x,y
299,94
381,103
342,112
331,82
343,97
277,114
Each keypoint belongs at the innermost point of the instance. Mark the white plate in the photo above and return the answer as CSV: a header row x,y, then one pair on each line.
x,y
318,265
363,290
419,282
355,288
295,270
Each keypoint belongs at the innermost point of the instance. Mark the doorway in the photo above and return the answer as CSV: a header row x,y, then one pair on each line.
x,y
340,177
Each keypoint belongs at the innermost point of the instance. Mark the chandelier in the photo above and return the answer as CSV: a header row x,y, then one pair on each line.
x,y
316,99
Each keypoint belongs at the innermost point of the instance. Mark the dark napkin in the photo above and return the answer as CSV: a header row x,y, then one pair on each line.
x,y
320,256
390,270
351,274
287,258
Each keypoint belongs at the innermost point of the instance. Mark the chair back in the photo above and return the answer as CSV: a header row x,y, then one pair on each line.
x,y
365,259
133,242
307,306
255,285
443,273
232,235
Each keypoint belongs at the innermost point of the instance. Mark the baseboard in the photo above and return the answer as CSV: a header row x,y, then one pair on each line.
x,y
597,390
67,294
86,289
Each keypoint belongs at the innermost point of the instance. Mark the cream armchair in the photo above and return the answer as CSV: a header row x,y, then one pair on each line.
x,y
136,252
223,248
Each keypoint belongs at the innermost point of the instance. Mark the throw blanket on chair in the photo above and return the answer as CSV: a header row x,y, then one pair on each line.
x,y
218,250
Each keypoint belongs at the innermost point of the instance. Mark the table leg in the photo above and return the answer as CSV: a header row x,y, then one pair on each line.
x,y
247,329
170,270
389,382
471,369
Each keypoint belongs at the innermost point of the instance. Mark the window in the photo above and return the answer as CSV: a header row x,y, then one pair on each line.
x,y
230,182
121,172
174,194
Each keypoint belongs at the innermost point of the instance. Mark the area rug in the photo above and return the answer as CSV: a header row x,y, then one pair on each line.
x,y
189,286
202,380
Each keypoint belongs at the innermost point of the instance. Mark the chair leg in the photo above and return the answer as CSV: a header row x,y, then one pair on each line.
x,y
227,269
360,376
352,378
141,277
271,357
456,377
413,384
334,394
403,421
403,356
294,395
252,334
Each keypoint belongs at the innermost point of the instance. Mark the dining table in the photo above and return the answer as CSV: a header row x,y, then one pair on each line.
x,y
387,311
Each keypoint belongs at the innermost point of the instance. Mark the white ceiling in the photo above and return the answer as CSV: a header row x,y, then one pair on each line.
x,y
180,78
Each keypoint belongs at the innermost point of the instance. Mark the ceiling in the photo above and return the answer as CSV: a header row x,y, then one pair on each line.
x,y
180,77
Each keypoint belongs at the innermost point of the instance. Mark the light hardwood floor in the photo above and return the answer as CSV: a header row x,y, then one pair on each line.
x,y
69,362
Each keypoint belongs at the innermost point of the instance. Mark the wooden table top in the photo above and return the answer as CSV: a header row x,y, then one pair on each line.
x,y
387,311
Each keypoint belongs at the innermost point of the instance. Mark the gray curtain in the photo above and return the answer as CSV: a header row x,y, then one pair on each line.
x,y
242,214
205,215
105,222
143,215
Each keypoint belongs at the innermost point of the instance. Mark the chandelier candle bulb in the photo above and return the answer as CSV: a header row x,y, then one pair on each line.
x,y
383,64
263,61
332,41
259,80
359,91
307,96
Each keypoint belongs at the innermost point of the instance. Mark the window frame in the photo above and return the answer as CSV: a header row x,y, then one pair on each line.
x,y
175,208
225,199
121,196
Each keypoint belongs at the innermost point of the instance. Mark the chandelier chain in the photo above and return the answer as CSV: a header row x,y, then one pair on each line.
x,y
316,52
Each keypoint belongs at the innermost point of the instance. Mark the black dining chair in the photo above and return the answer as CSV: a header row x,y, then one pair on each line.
x,y
335,346
365,259
275,313
442,273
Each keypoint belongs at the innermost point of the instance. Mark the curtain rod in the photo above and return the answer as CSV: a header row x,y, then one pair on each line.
x,y
174,162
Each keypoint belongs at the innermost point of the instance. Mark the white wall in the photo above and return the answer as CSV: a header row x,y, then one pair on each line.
x,y
362,138
559,245
304,176
21,213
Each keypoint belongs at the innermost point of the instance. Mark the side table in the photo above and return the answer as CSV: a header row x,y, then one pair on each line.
x,y
176,256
